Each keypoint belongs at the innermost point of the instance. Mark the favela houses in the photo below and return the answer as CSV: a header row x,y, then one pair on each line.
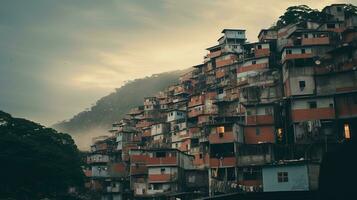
x,y
273,118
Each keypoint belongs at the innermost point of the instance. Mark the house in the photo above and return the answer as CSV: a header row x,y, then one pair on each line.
x,y
290,176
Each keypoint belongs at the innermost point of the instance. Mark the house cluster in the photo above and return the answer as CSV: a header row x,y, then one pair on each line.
x,y
253,117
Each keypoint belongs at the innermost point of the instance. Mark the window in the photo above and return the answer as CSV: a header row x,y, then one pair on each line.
x,y
220,129
162,170
283,177
303,51
302,85
331,26
201,156
331,105
288,51
339,9
257,131
254,62
268,111
312,104
347,134
160,154
259,46
306,35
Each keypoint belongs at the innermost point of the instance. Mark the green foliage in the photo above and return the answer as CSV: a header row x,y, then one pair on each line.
x,y
36,161
350,10
113,107
296,14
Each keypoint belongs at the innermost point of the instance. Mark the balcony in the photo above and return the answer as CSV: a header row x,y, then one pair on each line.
x,y
138,170
143,124
196,101
162,178
260,159
315,41
228,61
138,158
224,162
219,138
259,119
214,54
296,56
162,161
254,67
259,134
97,159
261,52
299,115
335,68
195,113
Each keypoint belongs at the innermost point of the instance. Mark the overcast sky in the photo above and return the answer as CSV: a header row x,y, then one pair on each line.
x,y
57,57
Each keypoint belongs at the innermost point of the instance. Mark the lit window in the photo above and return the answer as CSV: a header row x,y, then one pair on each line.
x,y
220,129
347,131
283,177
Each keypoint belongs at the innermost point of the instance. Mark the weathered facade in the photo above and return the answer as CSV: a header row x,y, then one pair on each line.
x,y
253,117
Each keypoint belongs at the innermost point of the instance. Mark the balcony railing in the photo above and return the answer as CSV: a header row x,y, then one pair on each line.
x,y
162,161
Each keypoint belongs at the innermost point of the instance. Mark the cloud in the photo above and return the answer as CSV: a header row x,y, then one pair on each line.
x,y
59,57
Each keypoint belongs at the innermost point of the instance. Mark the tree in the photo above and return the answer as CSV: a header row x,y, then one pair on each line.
x,y
301,13
350,10
36,161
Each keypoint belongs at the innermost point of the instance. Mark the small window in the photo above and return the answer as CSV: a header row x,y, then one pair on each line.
x,y
288,51
331,26
254,62
160,154
257,131
331,105
283,177
306,35
259,46
339,9
201,156
303,51
312,104
162,170
302,85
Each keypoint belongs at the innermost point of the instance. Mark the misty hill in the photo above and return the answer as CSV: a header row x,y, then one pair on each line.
x,y
114,106
38,161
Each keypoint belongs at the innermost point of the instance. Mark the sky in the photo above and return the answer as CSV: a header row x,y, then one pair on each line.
x,y
57,57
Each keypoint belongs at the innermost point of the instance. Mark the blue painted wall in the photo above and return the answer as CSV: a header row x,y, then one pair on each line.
x,y
297,175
